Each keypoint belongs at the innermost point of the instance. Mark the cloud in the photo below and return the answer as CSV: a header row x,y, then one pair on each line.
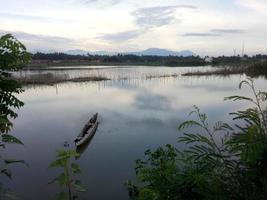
x,y
227,31
200,35
87,1
107,2
32,18
36,41
36,37
157,16
24,17
121,36
214,33
257,5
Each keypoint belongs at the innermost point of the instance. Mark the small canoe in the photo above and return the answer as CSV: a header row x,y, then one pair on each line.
x,y
88,131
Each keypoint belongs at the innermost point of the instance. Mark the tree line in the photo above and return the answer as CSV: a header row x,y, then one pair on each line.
x,y
149,60
123,59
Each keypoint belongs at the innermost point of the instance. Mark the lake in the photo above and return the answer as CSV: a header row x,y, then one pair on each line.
x,y
138,110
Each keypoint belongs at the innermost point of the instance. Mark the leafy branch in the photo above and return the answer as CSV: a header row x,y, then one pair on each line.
x,y
64,179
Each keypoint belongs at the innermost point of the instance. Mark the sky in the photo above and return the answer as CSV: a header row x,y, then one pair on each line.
x,y
206,27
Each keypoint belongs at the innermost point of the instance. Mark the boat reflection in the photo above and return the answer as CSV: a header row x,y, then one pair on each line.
x,y
82,148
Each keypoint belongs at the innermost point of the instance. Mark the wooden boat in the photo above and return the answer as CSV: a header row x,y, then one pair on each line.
x,y
88,131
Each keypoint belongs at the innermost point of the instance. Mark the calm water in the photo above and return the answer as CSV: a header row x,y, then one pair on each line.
x,y
136,113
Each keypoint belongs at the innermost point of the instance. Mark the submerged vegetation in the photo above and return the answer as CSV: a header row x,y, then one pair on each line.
x,y
220,162
50,79
162,76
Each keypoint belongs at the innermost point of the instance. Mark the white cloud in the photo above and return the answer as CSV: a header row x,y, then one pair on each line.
x,y
157,16
257,5
121,36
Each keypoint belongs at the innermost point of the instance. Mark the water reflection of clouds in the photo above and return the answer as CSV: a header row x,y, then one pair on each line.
x,y
149,96
210,88
150,101
135,114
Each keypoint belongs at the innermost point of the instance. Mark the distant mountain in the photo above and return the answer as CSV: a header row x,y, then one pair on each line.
x,y
147,52
76,52
83,52
42,51
106,53
162,52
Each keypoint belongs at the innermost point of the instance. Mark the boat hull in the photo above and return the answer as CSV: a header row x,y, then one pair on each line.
x,y
88,136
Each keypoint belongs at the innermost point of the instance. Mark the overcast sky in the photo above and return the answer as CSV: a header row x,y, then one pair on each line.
x,y
207,27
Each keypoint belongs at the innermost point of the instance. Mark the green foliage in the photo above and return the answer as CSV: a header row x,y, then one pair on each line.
x,y
13,55
64,179
6,139
4,163
220,161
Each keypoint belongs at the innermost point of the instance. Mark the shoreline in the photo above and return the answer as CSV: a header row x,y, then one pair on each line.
x,y
253,70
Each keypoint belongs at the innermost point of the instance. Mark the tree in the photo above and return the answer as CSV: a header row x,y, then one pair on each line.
x,y
13,55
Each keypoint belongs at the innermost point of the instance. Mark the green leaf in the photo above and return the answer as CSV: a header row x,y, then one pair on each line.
x,y
61,180
62,153
245,82
3,120
58,163
9,161
9,139
62,196
188,123
78,187
6,172
148,194
75,168
238,98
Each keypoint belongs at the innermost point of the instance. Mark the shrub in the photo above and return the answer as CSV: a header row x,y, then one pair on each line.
x,y
220,162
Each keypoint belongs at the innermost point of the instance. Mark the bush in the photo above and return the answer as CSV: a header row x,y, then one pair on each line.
x,y
222,162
